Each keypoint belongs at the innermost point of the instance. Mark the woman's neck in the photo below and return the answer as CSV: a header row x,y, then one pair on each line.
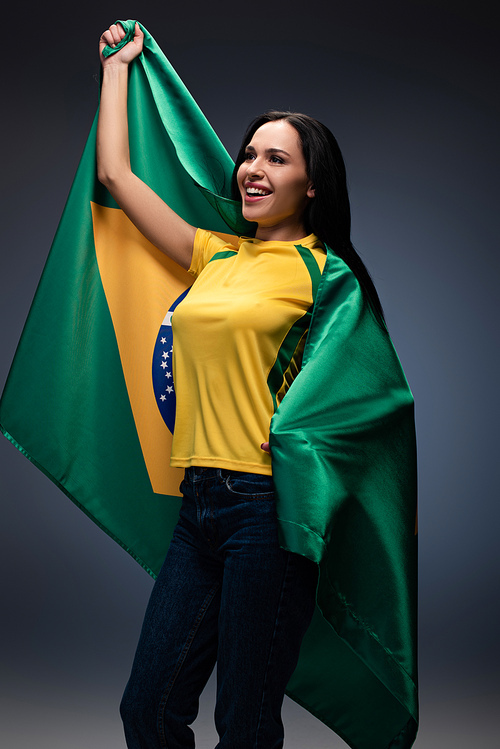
x,y
281,233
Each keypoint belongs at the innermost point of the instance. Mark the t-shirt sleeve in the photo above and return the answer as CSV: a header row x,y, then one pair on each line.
x,y
206,245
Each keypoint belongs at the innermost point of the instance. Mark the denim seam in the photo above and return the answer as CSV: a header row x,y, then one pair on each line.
x,y
213,524
180,661
271,649
250,495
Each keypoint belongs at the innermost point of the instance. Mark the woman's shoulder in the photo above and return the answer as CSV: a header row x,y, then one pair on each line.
x,y
314,243
216,239
207,244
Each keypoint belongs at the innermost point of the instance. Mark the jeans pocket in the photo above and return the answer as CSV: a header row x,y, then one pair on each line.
x,y
250,485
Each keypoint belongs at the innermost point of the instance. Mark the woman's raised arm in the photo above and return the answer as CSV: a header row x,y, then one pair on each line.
x,y
152,216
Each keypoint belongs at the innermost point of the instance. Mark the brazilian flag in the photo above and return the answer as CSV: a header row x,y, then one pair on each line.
x,y
98,416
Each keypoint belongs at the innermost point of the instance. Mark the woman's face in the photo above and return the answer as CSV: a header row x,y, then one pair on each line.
x,y
273,182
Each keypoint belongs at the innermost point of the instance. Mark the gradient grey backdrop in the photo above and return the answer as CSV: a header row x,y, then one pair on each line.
x,y
410,91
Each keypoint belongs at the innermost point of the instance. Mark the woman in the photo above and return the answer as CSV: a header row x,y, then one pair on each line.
x,y
227,592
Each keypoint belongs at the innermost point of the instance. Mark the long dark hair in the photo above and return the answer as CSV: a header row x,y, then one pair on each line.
x,y
328,214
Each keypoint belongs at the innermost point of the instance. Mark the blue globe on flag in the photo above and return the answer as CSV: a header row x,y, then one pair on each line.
x,y
163,377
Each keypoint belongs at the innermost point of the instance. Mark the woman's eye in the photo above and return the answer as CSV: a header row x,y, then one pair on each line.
x,y
249,156
276,160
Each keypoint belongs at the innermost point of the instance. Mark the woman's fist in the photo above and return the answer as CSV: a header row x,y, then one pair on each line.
x,y
126,54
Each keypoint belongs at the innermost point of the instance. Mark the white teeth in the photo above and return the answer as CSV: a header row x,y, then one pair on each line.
x,y
256,191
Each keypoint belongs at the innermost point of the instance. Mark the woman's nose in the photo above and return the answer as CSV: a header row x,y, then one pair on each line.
x,y
254,168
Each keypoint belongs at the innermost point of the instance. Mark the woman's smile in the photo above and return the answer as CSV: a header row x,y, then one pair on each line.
x,y
255,192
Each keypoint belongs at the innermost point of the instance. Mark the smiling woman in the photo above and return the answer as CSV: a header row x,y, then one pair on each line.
x,y
239,582
326,210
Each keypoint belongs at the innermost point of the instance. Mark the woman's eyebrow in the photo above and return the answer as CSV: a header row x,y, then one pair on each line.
x,y
277,150
269,150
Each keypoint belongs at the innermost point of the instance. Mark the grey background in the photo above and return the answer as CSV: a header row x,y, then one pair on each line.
x,y
411,91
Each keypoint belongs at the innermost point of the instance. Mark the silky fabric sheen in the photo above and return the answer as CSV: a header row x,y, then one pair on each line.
x,y
344,465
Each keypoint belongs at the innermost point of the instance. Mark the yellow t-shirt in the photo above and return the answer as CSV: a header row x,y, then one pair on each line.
x,y
238,340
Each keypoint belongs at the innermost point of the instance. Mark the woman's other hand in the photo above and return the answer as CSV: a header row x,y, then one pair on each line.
x,y
126,54
265,447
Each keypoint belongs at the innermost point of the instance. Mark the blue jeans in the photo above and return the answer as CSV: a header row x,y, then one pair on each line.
x,y
227,593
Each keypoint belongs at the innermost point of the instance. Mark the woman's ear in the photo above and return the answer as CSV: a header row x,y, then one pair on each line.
x,y
311,192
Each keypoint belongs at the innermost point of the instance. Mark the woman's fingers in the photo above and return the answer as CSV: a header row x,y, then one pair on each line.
x,y
265,447
117,33
114,36
138,33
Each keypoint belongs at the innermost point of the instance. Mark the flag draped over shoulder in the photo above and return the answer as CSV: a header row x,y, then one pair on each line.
x,y
98,416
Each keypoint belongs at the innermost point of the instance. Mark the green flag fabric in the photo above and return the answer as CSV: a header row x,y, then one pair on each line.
x,y
98,419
